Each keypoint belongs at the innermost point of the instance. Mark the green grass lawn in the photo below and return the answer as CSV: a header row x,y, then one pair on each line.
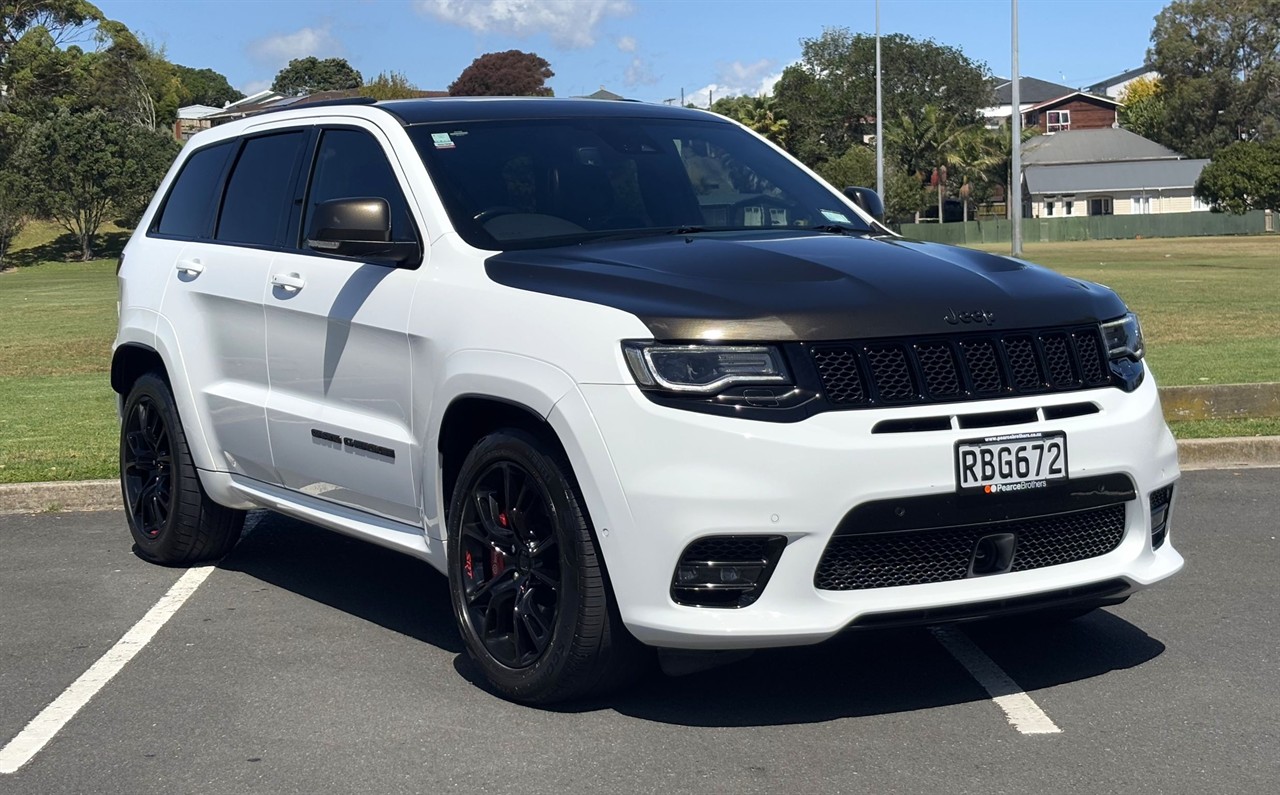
x,y
1210,308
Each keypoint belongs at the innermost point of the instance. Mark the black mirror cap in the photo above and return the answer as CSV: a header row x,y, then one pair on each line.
x,y
868,200
364,219
360,228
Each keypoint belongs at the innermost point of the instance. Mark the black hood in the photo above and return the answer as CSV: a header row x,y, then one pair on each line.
x,y
805,287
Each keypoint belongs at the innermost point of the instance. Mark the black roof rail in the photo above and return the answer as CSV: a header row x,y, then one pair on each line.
x,y
317,104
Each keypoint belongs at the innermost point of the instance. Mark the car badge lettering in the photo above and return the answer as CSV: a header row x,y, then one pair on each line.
x,y
975,316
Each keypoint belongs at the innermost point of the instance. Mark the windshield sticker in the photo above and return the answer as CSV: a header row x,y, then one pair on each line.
x,y
834,217
442,141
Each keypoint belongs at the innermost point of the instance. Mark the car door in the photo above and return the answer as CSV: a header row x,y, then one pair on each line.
x,y
214,298
340,408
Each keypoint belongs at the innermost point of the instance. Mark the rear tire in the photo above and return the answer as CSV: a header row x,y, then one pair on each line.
x,y
172,520
527,583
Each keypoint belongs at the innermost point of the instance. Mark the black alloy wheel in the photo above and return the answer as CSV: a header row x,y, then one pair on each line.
x,y
526,579
146,467
510,564
171,518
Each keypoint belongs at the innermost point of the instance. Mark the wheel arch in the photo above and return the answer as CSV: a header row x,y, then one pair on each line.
x,y
161,353
132,360
469,418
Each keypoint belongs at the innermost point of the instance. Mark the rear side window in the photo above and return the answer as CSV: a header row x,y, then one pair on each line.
x,y
350,164
188,211
259,193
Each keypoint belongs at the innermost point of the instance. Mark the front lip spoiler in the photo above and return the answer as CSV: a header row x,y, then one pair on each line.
x,y
1099,594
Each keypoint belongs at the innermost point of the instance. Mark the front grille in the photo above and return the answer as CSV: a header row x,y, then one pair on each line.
x,y
863,374
915,557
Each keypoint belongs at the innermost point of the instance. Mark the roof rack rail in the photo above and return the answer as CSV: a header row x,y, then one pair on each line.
x,y
317,104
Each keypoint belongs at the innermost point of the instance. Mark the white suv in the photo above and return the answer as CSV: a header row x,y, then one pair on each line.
x,y
632,377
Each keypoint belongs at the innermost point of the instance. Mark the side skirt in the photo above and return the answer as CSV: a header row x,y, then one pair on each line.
x,y
407,538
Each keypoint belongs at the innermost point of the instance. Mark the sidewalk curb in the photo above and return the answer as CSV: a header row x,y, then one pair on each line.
x,y
1229,452
1236,452
70,495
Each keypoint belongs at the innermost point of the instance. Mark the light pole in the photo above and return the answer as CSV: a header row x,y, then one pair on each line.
x,y
1015,180
879,115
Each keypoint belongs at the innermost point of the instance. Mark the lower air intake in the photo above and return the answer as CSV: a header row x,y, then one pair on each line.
x,y
915,557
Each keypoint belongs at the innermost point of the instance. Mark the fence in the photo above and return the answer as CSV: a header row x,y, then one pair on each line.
x,y
1095,227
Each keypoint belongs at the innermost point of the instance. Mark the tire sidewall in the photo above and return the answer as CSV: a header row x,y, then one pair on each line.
x,y
527,452
154,388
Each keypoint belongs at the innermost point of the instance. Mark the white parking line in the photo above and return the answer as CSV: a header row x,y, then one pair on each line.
x,y
52,718
1023,713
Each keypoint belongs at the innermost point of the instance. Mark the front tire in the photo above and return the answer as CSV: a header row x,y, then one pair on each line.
x,y
527,584
171,519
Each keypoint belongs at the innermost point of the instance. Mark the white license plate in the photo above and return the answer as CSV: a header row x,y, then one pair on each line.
x,y
1011,463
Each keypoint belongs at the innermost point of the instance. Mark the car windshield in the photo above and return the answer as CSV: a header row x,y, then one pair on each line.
x,y
531,183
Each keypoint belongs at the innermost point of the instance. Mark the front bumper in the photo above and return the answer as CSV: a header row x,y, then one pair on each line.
x,y
655,479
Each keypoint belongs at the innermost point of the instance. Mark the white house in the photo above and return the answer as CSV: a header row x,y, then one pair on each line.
x,y
1106,172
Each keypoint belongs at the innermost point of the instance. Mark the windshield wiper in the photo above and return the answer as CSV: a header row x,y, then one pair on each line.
x,y
838,229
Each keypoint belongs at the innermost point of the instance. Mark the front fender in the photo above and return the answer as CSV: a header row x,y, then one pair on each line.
x,y
523,381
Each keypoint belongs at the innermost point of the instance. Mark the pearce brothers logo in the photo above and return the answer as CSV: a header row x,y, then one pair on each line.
x,y
976,316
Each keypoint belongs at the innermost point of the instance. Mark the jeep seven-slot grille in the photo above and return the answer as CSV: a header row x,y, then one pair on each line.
x,y
858,374
914,557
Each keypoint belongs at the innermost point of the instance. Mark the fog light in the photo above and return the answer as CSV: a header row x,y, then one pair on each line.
x,y
1161,500
725,571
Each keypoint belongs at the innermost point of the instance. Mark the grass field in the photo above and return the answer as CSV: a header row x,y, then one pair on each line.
x,y
1210,309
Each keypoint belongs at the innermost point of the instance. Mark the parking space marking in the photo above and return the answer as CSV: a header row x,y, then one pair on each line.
x,y
1023,713
52,718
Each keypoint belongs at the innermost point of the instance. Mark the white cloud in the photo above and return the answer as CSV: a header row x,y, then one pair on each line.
x,y
254,86
299,44
627,44
738,79
569,23
639,73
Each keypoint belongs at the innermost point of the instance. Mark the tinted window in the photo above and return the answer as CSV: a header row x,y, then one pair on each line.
x,y
260,190
352,165
187,211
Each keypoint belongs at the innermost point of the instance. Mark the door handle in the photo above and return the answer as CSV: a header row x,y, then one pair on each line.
x,y
191,267
289,282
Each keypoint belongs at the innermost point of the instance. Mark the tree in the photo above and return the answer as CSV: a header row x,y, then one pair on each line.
x,y
79,167
390,85
512,73
308,75
1219,62
758,113
13,206
205,87
856,167
61,19
1143,108
1244,176
39,77
828,97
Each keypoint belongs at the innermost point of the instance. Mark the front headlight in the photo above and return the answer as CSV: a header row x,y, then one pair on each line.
x,y
1125,349
1123,338
704,369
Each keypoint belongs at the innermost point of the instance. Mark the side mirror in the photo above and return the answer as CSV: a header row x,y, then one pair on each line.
x,y
868,200
359,228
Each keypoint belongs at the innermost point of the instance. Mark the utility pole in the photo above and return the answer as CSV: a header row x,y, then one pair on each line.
x,y
1015,181
879,115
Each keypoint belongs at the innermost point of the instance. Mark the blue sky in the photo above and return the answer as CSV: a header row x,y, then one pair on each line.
x,y
645,49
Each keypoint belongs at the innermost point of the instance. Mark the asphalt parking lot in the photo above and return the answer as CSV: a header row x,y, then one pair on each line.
x,y
310,663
